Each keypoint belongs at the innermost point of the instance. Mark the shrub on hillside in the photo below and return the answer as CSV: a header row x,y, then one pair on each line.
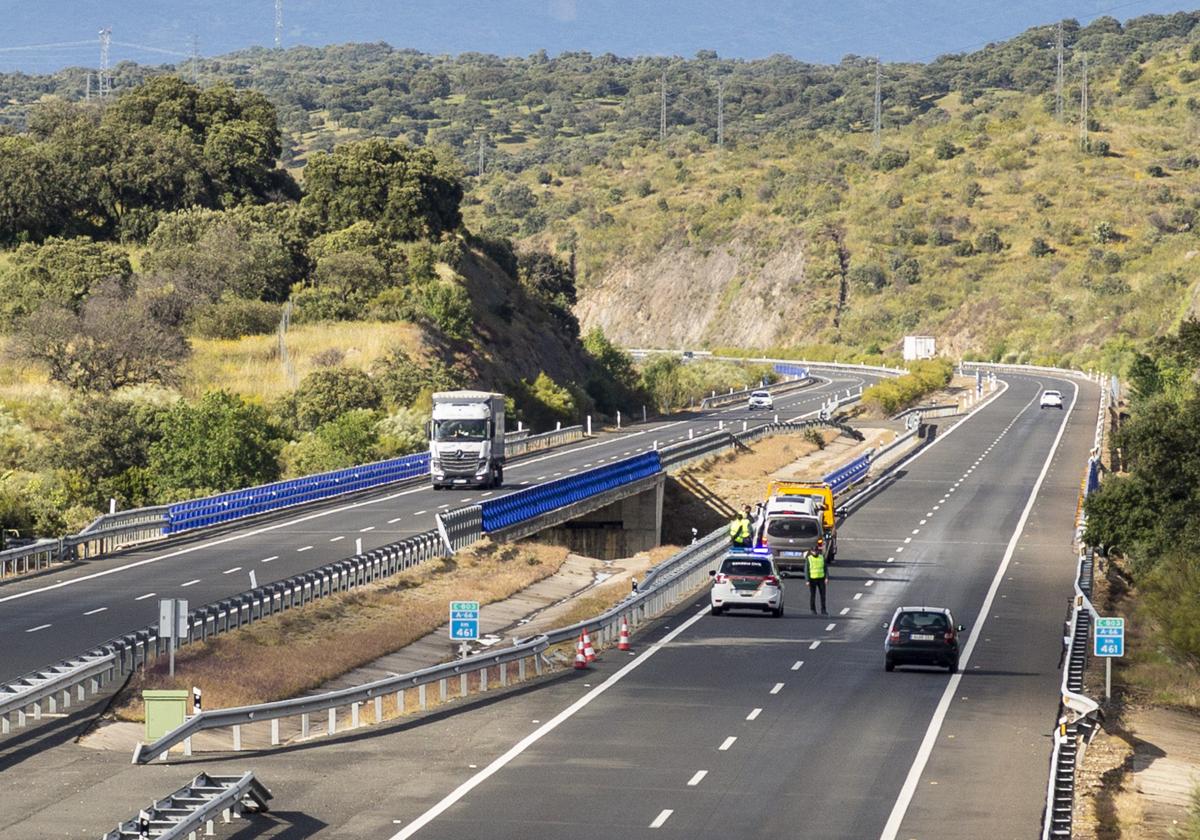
x,y
328,393
924,377
219,442
59,272
234,317
989,242
448,306
889,159
347,440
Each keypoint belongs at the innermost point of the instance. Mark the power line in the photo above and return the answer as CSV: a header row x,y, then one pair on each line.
x,y
54,46
146,48
1083,107
105,81
662,119
1058,80
877,119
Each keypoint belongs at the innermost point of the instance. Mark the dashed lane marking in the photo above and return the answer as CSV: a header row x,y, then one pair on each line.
x,y
231,571
144,597
696,779
796,667
97,610
304,548
778,688
727,743
189,583
662,818
754,713
39,627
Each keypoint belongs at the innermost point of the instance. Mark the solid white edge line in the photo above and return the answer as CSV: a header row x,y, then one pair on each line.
x,y
909,788
539,733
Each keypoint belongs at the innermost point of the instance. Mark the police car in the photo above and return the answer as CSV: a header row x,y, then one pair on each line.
x,y
747,580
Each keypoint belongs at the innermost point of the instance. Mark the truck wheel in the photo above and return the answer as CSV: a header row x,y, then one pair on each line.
x,y
498,476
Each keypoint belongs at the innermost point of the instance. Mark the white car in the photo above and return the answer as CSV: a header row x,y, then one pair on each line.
x,y
760,399
746,581
1051,399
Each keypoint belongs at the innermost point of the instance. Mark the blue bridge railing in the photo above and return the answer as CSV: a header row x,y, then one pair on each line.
x,y
844,476
225,507
798,371
515,508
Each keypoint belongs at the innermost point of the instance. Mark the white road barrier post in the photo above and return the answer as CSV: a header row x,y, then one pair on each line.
x,y
358,545
589,425
691,433
618,418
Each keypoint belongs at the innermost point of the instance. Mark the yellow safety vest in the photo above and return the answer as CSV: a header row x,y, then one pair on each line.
x,y
739,530
816,566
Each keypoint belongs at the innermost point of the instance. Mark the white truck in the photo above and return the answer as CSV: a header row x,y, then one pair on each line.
x,y
466,439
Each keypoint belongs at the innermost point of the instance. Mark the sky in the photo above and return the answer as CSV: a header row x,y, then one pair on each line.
x,y
45,35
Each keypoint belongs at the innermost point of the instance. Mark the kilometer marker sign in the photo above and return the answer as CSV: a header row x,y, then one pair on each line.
x,y
464,620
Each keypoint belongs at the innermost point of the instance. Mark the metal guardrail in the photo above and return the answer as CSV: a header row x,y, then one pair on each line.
x,y
545,440
506,511
1076,722
460,527
782,387
663,585
29,558
193,808
53,686
141,647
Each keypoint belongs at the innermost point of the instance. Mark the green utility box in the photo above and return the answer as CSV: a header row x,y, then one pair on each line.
x,y
165,710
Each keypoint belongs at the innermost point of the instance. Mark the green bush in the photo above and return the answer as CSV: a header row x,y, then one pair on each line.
x,y
923,377
217,443
326,394
234,317
448,306
889,159
350,439
313,304
543,402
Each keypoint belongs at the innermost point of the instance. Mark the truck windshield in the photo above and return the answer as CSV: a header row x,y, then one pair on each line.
x,y
460,430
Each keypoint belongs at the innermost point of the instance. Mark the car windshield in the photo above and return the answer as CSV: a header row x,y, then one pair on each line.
x,y
1050,394
923,622
449,430
793,528
746,567
760,394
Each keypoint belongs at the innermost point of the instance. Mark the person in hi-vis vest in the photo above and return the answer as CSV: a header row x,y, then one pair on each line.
x,y
814,573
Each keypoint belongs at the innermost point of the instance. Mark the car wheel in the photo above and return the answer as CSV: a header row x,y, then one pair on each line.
x,y
953,666
778,612
718,610
888,664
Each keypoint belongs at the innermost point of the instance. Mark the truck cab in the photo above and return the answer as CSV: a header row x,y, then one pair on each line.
x,y
466,439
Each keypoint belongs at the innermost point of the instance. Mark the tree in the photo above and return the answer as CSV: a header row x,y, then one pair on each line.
x,y
352,438
113,341
401,379
324,395
58,273
409,193
34,191
218,443
107,441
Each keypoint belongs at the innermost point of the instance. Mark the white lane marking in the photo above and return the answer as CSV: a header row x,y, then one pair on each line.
x,y
916,530
39,627
899,548
796,667
891,559
869,583
892,828
557,474
539,478
221,541
336,539
144,597
465,499
304,548
269,559
421,513
695,780
443,507
588,464
97,610
231,571
844,611
539,733
857,595
880,570
727,743
368,528
778,688
189,583
393,521
485,495
662,818
754,713
815,645
829,627
907,540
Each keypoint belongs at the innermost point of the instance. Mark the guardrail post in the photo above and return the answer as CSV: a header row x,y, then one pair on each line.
x,y
304,726
379,708
275,732
503,674
332,728
400,701
443,690
589,425
483,675
618,418
354,715
237,737
421,699
521,669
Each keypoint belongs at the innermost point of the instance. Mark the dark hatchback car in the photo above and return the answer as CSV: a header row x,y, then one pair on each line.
x,y
921,636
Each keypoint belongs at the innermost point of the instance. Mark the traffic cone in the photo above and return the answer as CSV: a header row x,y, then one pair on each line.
x,y
623,641
581,662
588,650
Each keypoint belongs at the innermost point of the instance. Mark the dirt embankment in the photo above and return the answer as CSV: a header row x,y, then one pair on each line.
x,y
1140,777
730,295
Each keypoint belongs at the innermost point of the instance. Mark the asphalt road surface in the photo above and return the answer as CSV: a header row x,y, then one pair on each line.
x,y
750,726
72,609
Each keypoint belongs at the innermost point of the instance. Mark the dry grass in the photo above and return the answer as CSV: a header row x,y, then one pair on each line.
x,y
250,366
301,650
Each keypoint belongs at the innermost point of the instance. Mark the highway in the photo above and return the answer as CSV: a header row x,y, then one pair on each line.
x,y
71,609
749,726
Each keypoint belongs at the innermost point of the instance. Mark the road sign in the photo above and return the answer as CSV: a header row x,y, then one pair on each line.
x,y
464,620
1108,637
172,618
